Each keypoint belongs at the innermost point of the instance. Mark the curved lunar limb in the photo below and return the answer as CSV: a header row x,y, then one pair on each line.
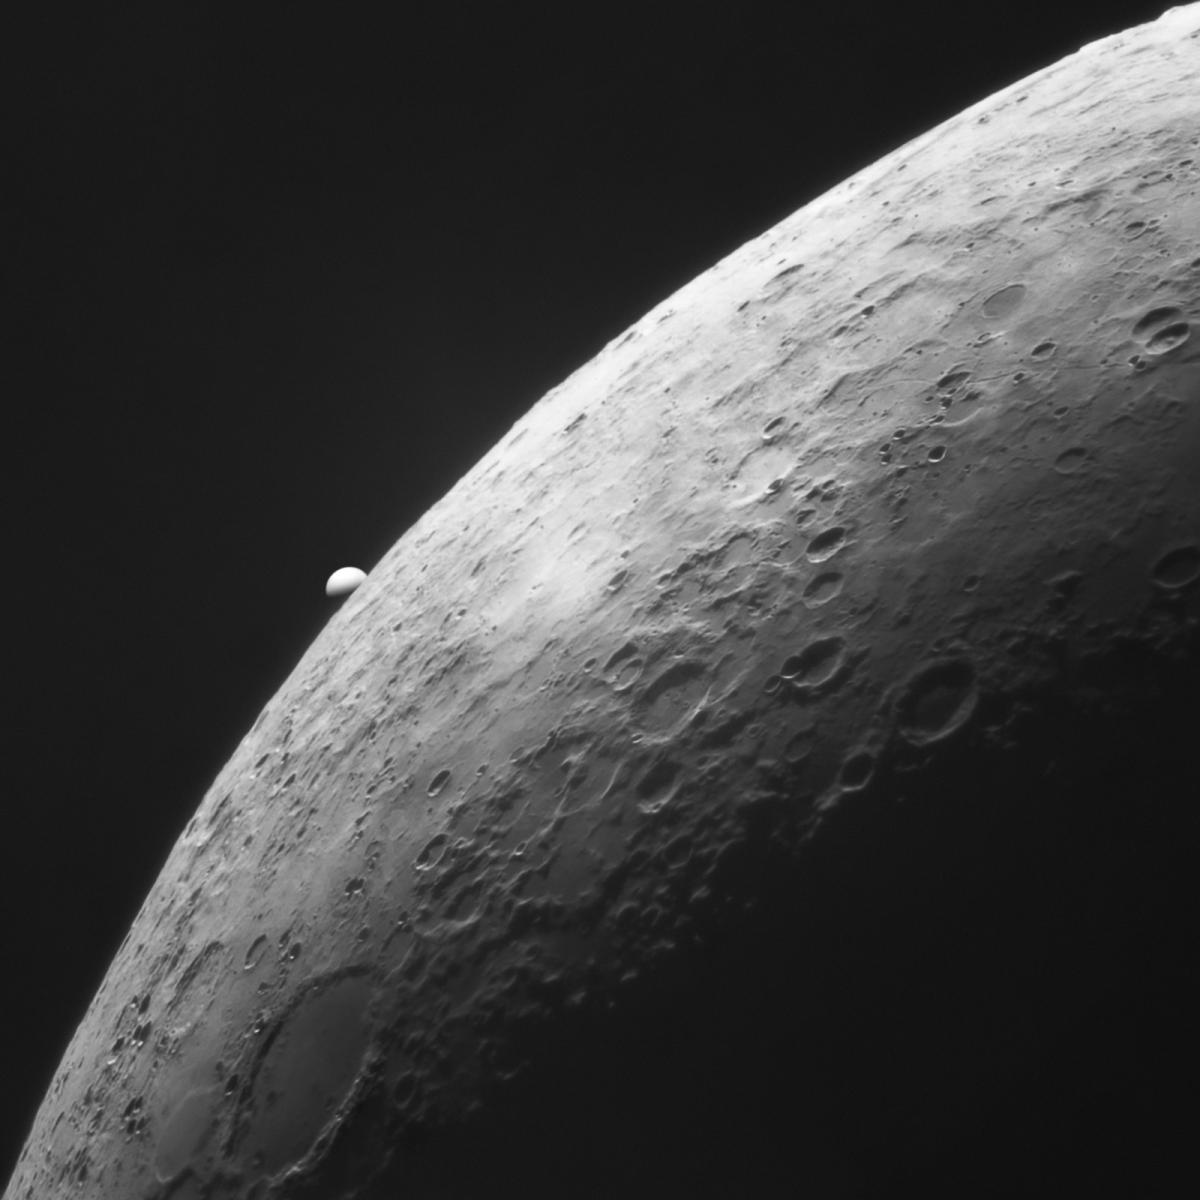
x,y
780,780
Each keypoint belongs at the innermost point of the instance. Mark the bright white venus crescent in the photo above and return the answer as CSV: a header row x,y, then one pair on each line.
x,y
343,581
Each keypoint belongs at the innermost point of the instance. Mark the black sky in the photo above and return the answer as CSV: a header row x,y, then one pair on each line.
x,y
278,276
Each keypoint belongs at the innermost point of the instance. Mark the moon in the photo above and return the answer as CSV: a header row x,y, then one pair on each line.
x,y
769,769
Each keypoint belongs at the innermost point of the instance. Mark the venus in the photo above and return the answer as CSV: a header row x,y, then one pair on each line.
x,y
782,779
343,581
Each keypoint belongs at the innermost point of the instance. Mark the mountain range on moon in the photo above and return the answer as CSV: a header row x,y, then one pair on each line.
x,y
769,769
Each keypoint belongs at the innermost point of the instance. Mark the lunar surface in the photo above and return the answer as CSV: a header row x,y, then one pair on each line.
x,y
770,770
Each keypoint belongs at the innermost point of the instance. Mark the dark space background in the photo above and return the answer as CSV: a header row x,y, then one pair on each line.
x,y
277,277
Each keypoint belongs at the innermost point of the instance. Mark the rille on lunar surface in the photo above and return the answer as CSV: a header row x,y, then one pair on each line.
x,y
726,781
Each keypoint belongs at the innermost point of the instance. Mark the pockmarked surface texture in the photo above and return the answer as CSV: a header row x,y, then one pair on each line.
x,y
726,778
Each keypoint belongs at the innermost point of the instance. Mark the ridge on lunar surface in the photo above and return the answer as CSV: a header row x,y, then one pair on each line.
x,y
724,784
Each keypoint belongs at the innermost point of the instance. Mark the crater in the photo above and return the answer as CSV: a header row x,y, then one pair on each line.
x,y
1070,460
816,665
823,588
826,544
937,701
953,380
1178,567
800,745
184,1134
254,954
1161,330
431,853
656,788
1168,338
772,429
857,771
303,1073
1007,300
623,668
671,696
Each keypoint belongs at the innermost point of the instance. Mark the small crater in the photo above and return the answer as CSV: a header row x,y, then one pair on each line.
x,y
936,454
1134,229
676,854
354,886
786,272
772,429
672,696
438,783
1167,339
659,776
823,588
857,771
938,700
1065,586
1007,300
432,852
815,665
623,668
1069,461
1161,330
826,544
1177,568
953,380
133,1118
254,954
800,745
618,580
1043,350
824,492
655,788
738,552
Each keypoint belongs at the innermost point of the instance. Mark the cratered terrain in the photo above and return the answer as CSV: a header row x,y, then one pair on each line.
x,y
771,770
